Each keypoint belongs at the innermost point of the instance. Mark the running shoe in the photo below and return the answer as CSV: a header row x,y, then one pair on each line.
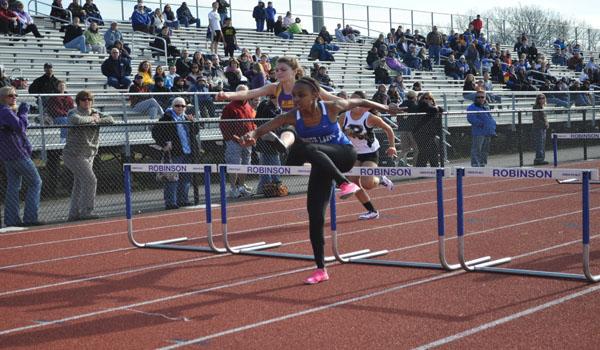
x,y
347,189
385,182
320,275
369,215
275,141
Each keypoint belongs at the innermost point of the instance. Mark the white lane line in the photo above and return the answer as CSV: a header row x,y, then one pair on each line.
x,y
508,318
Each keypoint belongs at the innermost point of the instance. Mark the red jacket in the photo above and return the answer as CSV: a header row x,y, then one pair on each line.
x,y
6,15
237,110
477,24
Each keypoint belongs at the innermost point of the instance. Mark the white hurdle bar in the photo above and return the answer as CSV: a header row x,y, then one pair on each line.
x,y
404,172
206,169
528,173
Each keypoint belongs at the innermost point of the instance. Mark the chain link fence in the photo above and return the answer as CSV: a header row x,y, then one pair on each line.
x,y
130,140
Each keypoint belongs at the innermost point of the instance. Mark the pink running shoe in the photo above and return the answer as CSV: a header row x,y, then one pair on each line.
x,y
347,189
320,275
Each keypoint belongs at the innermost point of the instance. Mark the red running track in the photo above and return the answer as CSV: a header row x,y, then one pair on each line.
x,y
85,286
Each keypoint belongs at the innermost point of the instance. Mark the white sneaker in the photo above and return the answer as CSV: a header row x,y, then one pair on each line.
x,y
369,215
234,193
385,182
244,191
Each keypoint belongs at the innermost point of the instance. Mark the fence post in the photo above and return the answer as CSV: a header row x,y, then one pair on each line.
x,y
584,121
343,15
451,22
122,11
368,23
412,21
127,145
196,107
198,10
390,13
519,138
514,107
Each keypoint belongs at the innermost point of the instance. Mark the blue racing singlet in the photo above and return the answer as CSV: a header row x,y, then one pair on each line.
x,y
285,101
324,132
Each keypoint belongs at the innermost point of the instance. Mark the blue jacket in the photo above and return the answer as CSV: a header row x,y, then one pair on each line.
x,y
140,18
483,124
14,144
270,11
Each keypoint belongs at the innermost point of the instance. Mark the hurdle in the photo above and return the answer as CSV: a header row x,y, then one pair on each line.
x,y
572,136
260,170
404,172
207,169
539,173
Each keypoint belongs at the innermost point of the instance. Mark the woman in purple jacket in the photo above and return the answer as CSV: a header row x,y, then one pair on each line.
x,y
15,154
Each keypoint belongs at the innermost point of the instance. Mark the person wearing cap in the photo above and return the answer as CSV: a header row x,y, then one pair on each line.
x,y
142,103
80,150
46,84
117,70
483,127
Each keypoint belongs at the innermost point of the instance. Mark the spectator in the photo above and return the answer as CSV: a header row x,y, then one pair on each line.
x,y
141,21
260,15
159,44
539,130
178,142
265,63
74,38
183,64
469,87
321,51
426,129
434,44
394,95
339,35
198,58
170,18
79,153
234,74
26,24
412,59
272,76
159,87
382,75
194,74
184,15
58,108
229,38
350,33
295,28
372,57
123,50
267,154
145,71
325,35
575,62
112,35
451,68
145,8
179,85
15,154
58,12
396,65
157,21
4,80
234,152
214,25
280,30
287,20
117,69
205,100
46,84
381,95
406,125
256,76
143,103
170,77
94,40
488,86
270,12
483,127
323,78
93,13
77,11
477,26
398,83
222,10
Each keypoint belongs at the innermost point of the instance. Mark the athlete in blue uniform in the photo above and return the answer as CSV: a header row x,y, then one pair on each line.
x,y
321,142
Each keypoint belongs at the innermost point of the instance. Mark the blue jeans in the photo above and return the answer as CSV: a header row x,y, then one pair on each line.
x,y
118,83
63,131
260,25
268,159
286,35
434,53
559,102
16,172
222,15
186,22
539,143
176,193
479,150
77,43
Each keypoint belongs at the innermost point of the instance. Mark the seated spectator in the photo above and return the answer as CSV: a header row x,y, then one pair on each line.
x,y
575,62
382,75
111,35
74,38
123,50
194,74
79,153
272,76
412,60
280,30
265,63
452,70
498,71
4,80
398,84
245,62
94,40
93,13
144,7
198,58
296,28
581,99
183,64
179,142
325,35
159,44
323,78
339,35
141,21
170,17
117,69
488,86
157,21
77,11
234,75
321,51
159,87
159,72
15,155
58,12
26,24
170,77
45,84
256,76
184,15
372,57
287,20
145,71
58,108
350,33
396,65
469,87
394,96
206,105
9,21
179,85
143,103
381,95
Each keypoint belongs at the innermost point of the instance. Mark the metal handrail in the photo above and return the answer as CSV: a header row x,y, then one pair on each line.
x,y
35,10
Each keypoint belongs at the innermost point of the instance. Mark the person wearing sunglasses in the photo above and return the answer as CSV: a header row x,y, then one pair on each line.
x,y
15,155
483,127
179,144
83,141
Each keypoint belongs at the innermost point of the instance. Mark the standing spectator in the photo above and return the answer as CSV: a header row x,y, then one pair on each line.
x,y
77,10
267,153
170,18
183,64
229,38
483,127
406,125
271,12
15,154
141,21
214,25
112,35
259,16
184,15
93,13
46,84
178,141
143,103
74,38
58,12
79,153
427,127
222,10
117,69
234,152
434,43
539,129
477,26
94,40
26,24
